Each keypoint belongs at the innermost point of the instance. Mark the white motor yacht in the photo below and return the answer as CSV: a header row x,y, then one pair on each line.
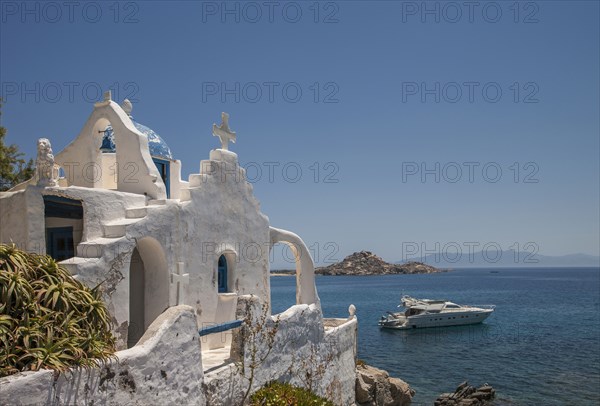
x,y
421,313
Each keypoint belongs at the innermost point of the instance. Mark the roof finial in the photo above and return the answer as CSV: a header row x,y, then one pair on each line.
x,y
127,107
351,311
107,96
223,131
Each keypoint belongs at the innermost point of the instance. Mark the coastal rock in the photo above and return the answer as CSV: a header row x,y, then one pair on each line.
x,y
466,395
367,263
374,387
401,392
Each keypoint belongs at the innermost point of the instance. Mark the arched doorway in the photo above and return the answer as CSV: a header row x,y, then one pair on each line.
x,y
137,298
148,287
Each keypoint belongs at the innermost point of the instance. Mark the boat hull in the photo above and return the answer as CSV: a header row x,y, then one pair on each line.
x,y
437,320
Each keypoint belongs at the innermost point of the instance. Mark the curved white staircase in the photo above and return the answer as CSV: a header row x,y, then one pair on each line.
x,y
113,235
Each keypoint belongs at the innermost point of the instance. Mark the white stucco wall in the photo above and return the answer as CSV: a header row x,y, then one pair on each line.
x,y
301,344
164,368
223,217
175,179
109,170
22,219
22,212
13,219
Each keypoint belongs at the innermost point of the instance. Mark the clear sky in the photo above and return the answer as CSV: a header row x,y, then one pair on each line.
x,y
371,100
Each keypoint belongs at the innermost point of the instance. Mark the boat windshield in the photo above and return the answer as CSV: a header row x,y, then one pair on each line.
x,y
414,311
436,307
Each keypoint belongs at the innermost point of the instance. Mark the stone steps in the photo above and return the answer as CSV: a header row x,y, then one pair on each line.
x,y
157,202
72,264
136,212
113,232
117,228
95,248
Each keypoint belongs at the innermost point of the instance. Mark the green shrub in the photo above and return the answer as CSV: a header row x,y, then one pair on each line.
x,y
47,318
284,394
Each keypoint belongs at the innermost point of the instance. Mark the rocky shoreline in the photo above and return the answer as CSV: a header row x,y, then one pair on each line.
x,y
367,263
375,387
466,395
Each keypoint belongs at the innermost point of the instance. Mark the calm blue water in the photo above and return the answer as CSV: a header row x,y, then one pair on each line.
x,y
540,347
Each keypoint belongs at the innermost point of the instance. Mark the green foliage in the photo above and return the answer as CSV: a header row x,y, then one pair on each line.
x,y
13,168
47,318
284,394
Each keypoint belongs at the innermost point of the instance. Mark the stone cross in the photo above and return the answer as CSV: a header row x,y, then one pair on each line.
x,y
223,131
180,278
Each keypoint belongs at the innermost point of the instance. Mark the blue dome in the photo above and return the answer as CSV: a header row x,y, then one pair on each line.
x,y
158,147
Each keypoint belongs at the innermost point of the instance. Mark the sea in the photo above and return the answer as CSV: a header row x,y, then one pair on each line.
x,y
541,346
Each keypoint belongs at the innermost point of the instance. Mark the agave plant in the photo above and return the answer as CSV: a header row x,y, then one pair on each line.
x,y
284,394
48,319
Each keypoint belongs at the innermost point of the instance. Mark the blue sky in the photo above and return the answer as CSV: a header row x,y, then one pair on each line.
x,y
366,124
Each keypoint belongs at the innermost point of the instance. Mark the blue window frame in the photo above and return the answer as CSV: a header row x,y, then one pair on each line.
x,y
222,274
62,207
165,174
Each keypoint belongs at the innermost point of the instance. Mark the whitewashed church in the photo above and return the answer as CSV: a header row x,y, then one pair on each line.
x,y
173,257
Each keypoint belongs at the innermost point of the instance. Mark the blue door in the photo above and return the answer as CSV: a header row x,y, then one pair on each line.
x,y
59,243
222,274
163,168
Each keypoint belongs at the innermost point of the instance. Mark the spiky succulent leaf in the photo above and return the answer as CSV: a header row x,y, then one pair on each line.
x,y
47,318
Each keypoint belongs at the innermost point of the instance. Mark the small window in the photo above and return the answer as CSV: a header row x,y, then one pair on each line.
x,y
222,274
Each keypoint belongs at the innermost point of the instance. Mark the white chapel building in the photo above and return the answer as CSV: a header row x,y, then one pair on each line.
x,y
113,209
